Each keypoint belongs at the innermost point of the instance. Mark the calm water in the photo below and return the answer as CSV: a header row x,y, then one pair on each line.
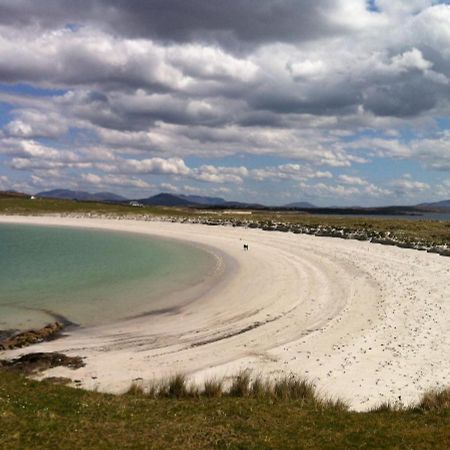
x,y
90,277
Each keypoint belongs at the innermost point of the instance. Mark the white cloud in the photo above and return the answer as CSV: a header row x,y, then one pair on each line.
x,y
352,181
113,180
406,186
298,83
412,59
37,123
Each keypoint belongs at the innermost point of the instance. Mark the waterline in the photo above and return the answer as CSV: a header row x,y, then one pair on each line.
x,y
89,276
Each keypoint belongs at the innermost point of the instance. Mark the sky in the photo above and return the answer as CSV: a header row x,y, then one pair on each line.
x,y
334,102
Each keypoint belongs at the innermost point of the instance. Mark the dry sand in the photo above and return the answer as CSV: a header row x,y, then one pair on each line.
x,y
365,322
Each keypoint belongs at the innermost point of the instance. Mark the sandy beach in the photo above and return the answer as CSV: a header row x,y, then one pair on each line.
x,y
365,322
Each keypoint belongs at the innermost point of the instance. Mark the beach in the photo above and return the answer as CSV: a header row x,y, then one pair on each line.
x,y
365,322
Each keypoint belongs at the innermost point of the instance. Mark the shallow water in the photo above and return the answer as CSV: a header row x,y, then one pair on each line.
x,y
90,277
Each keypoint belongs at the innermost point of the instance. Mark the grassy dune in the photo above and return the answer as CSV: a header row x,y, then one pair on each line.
x,y
41,415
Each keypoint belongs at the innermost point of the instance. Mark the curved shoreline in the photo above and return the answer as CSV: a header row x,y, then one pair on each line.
x,y
366,323
170,300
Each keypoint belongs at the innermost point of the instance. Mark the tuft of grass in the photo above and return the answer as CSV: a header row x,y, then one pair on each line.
x,y
136,389
213,388
240,386
383,407
435,400
260,388
177,386
293,388
243,385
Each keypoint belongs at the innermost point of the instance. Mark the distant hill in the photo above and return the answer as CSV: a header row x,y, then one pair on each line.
x,y
165,199
444,204
67,194
13,194
202,200
300,205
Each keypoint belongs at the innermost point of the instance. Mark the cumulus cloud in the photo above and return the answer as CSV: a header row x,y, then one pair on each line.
x,y
136,89
113,180
352,180
242,21
406,186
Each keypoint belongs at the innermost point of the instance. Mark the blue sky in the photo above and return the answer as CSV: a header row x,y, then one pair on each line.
x,y
337,102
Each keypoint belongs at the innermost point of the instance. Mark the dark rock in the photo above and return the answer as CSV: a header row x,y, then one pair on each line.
x,y
384,241
406,245
30,337
38,362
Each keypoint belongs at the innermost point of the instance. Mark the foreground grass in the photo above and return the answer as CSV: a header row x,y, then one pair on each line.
x,y
41,415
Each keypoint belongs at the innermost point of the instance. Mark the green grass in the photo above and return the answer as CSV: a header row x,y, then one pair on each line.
x,y
41,415
54,206
289,387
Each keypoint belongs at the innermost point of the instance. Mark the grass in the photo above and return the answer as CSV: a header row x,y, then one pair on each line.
x,y
56,206
243,385
435,400
41,415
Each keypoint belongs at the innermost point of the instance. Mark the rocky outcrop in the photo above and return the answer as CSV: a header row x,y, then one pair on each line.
x,y
38,362
30,337
439,250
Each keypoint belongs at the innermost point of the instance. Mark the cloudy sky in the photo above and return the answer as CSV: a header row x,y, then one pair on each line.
x,y
336,102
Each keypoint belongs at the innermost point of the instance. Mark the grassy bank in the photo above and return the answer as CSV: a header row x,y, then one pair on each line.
x,y
43,415
422,232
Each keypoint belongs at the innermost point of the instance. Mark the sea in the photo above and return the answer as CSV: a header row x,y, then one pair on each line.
x,y
88,277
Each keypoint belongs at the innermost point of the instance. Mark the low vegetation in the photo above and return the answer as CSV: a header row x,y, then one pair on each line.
x,y
249,413
426,233
243,385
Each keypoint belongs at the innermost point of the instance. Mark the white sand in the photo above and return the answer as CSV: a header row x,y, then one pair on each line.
x,y
365,322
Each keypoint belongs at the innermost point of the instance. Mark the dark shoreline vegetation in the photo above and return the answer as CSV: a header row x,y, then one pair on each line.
x,y
252,413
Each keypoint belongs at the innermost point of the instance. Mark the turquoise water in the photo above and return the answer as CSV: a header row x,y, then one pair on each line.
x,y
90,277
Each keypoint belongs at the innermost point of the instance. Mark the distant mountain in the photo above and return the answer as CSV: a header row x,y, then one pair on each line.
x,y
202,200
67,194
444,204
306,205
165,199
